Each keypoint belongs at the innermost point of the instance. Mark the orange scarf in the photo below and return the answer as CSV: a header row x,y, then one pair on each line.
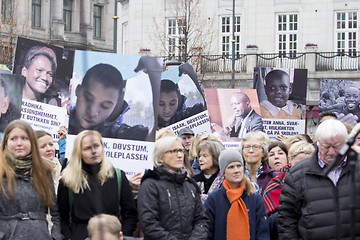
x,y
237,226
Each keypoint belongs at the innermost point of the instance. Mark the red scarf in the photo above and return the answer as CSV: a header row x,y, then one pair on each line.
x,y
237,226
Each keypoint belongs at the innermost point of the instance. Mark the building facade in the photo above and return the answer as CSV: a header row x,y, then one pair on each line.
x,y
76,24
321,36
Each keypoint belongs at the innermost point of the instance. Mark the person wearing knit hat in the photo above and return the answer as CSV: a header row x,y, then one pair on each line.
x,y
236,210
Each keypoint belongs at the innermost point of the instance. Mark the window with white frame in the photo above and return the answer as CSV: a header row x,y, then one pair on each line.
x,y
226,35
346,32
175,31
125,37
67,14
287,34
7,11
36,13
97,21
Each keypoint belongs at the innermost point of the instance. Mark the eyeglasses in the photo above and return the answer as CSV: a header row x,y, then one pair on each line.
x,y
254,147
176,151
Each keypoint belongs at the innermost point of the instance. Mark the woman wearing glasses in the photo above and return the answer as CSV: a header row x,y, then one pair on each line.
x,y
254,150
169,203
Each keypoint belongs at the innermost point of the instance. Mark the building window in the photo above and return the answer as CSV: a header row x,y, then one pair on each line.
x,y
176,41
226,35
36,13
67,14
346,32
125,38
97,21
7,11
287,32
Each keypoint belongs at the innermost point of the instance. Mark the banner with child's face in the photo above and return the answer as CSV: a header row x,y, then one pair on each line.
x,y
114,94
181,102
282,97
45,72
341,97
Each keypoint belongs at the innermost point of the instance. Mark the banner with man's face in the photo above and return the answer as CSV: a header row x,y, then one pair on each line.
x,y
282,97
341,97
233,113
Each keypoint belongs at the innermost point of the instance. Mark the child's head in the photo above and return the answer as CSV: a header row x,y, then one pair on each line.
x,y
4,99
277,87
101,90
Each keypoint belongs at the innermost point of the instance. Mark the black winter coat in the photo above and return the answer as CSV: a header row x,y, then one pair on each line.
x,y
170,207
100,199
312,207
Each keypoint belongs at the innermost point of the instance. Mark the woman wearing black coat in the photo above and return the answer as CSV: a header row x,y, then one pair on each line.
x,y
169,203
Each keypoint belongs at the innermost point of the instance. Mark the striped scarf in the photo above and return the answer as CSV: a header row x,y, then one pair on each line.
x,y
22,165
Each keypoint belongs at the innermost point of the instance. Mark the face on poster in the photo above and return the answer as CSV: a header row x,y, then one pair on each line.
x,y
10,99
233,113
341,97
109,96
282,96
45,72
181,104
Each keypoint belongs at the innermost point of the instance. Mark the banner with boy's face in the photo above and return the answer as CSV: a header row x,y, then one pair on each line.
x,y
341,97
233,113
282,97
181,103
114,94
45,72
10,99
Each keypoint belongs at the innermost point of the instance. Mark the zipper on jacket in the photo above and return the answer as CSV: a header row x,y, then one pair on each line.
x,y
169,195
192,193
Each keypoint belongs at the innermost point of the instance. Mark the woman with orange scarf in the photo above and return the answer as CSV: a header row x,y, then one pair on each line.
x,y
235,210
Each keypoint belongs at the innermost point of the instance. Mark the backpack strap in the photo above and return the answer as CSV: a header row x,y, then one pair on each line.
x,y
118,176
71,195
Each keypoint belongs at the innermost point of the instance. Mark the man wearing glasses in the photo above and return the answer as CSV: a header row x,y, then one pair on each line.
x,y
314,206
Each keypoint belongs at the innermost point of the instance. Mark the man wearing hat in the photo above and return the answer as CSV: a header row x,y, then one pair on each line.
x,y
187,136
235,210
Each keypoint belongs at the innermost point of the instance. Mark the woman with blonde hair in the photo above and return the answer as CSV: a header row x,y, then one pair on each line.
x,y
236,210
169,202
90,185
26,187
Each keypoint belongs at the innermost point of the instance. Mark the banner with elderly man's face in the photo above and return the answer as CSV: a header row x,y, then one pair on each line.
x,y
341,97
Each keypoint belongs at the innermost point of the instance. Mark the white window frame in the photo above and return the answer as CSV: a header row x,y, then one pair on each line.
x,y
287,32
125,37
175,36
346,31
67,16
226,32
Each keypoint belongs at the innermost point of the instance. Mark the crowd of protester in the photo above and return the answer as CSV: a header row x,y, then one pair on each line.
x,y
196,190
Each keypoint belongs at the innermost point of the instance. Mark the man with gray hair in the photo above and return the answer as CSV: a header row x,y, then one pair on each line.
x,y
314,205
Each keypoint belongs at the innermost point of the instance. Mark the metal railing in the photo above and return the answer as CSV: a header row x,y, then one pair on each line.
x,y
338,61
281,60
324,61
222,63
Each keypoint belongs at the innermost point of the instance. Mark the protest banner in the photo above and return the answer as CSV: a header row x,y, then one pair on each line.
x,y
181,102
112,95
45,72
233,113
282,96
341,97
10,99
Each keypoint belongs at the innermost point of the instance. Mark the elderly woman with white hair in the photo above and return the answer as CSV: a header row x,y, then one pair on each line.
x,y
169,203
254,149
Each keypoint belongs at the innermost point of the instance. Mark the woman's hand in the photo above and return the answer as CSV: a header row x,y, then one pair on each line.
x,y
135,181
62,132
